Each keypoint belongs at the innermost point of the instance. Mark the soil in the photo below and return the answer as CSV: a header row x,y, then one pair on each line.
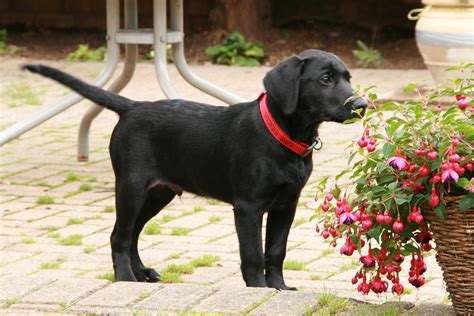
x,y
397,47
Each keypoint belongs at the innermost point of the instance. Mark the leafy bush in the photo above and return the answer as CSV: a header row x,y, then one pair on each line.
x,y
6,49
84,53
236,51
367,56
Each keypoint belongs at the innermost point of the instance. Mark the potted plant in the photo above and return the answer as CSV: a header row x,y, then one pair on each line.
x,y
409,182
444,35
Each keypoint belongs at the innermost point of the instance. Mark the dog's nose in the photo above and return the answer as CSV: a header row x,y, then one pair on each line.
x,y
359,103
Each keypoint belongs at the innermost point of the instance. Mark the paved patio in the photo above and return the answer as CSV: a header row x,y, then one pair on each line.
x,y
57,213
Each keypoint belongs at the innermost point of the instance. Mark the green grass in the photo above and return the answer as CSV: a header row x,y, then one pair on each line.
x,y
85,187
299,221
180,231
327,252
50,265
407,290
316,277
152,228
349,266
9,302
71,240
75,221
205,261
109,209
180,268
294,265
331,304
145,294
63,305
213,202
170,277
89,249
54,234
21,93
167,218
174,255
71,177
28,240
198,209
109,276
214,219
45,199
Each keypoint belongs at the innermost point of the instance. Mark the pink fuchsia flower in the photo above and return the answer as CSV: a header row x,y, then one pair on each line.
x,y
347,218
397,163
449,175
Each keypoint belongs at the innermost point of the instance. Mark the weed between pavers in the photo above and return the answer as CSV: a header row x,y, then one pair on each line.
x,y
71,240
51,264
152,228
299,221
109,276
330,304
205,261
21,93
89,249
214,219
180,231
45,200
109,209
28,240
294,265
172,273
75,221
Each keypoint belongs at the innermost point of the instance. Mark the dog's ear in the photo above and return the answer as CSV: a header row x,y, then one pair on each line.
x,y
282,83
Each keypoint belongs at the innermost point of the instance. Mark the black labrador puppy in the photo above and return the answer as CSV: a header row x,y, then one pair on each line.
x,y
243,154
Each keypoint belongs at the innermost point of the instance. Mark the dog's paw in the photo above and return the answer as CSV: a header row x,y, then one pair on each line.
x,y
281,286
146,275
151,275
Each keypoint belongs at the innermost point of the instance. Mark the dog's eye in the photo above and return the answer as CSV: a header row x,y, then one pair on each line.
x,y
326,80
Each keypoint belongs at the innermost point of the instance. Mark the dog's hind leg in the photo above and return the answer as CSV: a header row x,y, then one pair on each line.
x,y
130,195
279,222
157,198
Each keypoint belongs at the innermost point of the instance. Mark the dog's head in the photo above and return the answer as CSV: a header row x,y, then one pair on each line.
x,y
315,85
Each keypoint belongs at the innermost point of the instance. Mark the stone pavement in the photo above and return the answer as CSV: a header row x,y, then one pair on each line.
x,y
57,214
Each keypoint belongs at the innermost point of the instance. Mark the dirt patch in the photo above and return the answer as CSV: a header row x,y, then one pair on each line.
x,y
397,47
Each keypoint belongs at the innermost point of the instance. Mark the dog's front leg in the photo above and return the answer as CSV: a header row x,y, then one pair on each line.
x,y
278,227
248,222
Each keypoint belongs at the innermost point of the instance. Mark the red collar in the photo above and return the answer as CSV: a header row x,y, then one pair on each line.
x,y
299,148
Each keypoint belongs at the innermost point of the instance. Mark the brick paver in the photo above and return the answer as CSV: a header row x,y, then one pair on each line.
x,y
56,214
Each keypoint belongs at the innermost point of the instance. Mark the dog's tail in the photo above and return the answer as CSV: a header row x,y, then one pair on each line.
x,y
97,95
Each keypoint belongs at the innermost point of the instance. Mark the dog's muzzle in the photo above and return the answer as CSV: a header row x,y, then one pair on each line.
x,y
356,102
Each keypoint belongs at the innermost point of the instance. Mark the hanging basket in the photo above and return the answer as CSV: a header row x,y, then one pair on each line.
x,y
454,238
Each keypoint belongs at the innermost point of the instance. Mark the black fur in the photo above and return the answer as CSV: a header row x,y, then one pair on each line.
x,y
158,149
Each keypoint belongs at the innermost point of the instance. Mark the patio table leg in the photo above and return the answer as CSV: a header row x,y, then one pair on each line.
x,y
161,64
131,52
176,23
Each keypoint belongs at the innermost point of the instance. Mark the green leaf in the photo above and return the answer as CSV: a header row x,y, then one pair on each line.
x,y
410,248
255,51
251,62
375,233
240,60
467,203
440,211
388,150
402,199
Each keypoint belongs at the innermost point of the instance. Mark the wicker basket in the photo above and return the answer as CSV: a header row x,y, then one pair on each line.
x,y
454,238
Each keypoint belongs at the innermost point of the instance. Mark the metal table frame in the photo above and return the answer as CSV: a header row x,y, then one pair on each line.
x,y
131,37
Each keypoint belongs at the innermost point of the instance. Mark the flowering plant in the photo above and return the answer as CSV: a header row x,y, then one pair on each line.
x,y
411,159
